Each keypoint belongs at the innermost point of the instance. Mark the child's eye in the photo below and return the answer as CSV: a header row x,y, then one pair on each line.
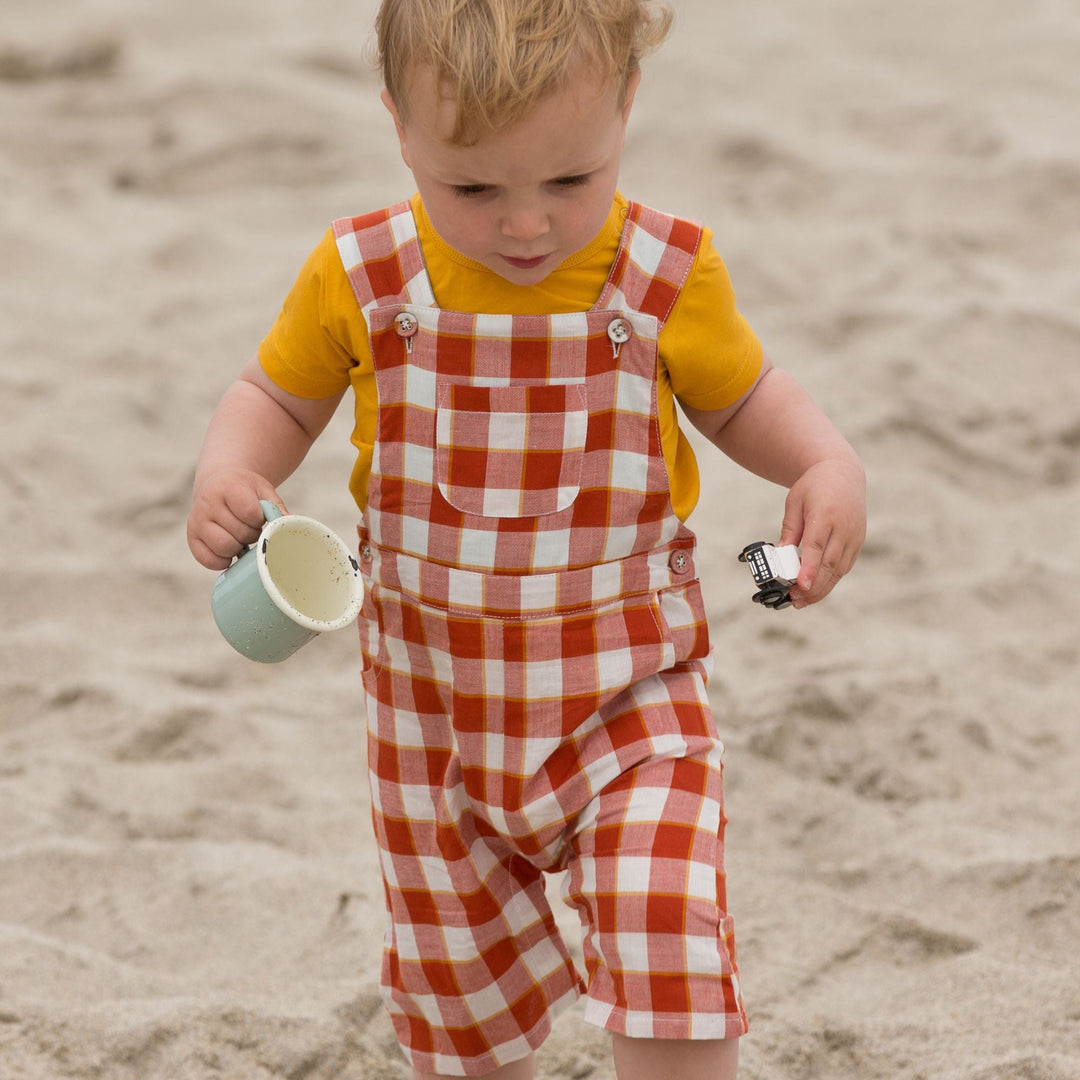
x,y
469,191
571,181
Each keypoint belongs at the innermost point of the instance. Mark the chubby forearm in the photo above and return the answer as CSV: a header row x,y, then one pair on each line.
x,y
250,430
779,432
257,437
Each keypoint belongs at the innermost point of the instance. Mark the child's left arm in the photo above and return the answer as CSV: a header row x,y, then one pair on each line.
x,y
776,431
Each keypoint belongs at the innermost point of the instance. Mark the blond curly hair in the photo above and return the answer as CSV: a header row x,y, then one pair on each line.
x,y
496,58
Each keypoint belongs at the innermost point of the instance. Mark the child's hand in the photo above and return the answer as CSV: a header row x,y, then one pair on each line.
x,y
225,515
825,514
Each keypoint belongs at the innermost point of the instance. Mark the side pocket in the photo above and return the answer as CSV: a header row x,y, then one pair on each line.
x,y
368,628
686,626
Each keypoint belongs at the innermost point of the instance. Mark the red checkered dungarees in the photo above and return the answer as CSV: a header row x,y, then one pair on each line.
x,y
535,658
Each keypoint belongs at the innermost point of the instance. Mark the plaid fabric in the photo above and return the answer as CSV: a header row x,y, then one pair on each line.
x,y
536,654
616,512
510,451
382,258
654,260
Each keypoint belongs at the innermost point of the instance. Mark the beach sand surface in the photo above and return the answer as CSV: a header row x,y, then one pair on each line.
x,y
188,882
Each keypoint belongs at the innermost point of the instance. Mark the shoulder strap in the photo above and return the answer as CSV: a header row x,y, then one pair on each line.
x,y
656,254
382,259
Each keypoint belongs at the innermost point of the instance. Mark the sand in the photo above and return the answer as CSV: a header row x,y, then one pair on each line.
x,y
188,887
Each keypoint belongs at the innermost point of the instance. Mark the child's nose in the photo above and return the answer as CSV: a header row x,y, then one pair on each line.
x,y
525,222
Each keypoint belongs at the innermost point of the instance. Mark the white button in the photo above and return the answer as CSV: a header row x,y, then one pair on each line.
x,y
405,324
618,331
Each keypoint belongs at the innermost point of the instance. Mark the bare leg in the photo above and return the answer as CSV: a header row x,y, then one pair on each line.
x,y
687,1059
516,1070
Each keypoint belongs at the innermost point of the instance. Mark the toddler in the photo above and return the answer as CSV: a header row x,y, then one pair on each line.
x,y
535,650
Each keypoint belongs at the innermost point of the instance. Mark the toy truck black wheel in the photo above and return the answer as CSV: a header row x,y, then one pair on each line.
x,y
775,597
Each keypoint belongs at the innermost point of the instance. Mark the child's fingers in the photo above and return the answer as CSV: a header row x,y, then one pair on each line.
x,y
791,528
205,557
242,510
825,515
823,564
227,516
810,556
215,545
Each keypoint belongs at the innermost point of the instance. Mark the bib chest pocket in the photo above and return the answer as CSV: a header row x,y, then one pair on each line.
x,y
510,451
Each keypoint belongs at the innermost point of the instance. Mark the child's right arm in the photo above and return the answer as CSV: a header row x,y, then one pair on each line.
x,y
257,437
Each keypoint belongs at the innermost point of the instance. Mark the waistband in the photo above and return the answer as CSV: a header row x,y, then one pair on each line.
x,y
518,596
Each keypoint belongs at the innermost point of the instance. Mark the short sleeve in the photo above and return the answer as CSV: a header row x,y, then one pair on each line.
x,y
711,354
319,335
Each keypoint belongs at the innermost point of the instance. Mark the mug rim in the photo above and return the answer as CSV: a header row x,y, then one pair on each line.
x,y
319,626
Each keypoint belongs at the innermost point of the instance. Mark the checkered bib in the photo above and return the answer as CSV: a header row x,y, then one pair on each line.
x,y
535,657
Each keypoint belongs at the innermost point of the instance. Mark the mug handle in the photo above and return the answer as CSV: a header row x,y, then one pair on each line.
x,y
270,511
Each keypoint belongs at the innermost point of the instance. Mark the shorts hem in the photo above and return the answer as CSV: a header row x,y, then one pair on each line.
x,y
527,1043
651,1026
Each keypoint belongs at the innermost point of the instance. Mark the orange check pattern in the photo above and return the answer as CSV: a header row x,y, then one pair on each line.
x,y
536,654
511,451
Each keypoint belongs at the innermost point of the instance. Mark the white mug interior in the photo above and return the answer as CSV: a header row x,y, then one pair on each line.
x,y
309,573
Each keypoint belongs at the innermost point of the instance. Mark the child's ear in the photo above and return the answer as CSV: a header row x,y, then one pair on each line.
x,y
391,108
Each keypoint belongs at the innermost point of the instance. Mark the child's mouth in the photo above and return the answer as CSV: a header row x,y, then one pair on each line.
x,y
525,264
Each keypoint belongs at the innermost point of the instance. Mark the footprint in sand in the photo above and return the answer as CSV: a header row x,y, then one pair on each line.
x,y
761,174
1022,1068
184,735
150,516
902,942
262,159
1043,894
92,58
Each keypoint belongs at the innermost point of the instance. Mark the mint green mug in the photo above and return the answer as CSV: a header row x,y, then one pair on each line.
x,y
298,580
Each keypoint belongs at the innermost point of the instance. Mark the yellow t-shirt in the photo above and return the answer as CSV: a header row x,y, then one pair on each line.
x,y
709,356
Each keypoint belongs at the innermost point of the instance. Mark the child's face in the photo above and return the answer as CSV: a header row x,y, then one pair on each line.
x,y
524,199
